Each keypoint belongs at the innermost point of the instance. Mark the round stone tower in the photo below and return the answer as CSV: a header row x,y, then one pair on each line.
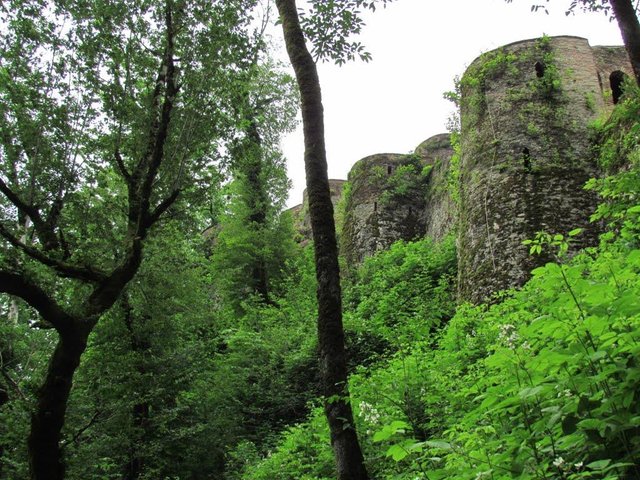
x,y
300,213
384,201
394,197
525,154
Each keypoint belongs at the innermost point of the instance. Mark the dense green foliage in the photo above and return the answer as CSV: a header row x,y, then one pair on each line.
x,y
542,384
206,365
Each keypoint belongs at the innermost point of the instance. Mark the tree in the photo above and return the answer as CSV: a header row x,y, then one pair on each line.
x,y
254,240
625,14
127,416
331,36
106,110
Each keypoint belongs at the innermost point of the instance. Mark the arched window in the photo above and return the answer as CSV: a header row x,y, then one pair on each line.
x,y
539,69
616,79
375,206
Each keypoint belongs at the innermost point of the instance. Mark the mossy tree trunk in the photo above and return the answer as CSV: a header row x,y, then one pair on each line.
x,y
344,440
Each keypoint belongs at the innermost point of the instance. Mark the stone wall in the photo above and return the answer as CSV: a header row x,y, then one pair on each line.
x,y
385,202
398,197
439,213
525,154
525,113
300,213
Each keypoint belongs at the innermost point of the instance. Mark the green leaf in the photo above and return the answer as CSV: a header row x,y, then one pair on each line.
x,y
599,464
438,444
530,391
634,209
396,452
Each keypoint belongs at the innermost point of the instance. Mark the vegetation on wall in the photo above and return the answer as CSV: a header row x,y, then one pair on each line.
x,y
158,322
542,384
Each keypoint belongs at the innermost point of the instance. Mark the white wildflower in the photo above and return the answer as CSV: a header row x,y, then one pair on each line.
x,y
508,336
369,413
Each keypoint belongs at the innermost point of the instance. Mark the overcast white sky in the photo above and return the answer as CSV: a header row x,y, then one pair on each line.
x,y
394,102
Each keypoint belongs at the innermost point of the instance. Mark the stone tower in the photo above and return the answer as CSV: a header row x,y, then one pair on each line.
x,y
525,115
397,197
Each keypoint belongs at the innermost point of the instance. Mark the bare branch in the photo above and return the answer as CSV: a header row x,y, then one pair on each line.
x,y
14,384
44,229
121,166
20,286
14,198
162,207
66,270
168,76
79,433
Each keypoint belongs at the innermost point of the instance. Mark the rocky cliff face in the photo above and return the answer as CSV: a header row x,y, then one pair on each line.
x,y
524,156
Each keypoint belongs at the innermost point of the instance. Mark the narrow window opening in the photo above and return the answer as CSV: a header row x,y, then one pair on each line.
x,y
389,169
375,206
526,159
539,69
616,79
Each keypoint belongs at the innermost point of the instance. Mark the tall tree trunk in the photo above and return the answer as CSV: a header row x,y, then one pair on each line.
x,y
140,346
344,440
627,19
45,456
258,202
135,465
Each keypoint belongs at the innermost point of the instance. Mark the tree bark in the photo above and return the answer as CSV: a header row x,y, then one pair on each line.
x,y
140,346
627,19
45,456
344,440
257,202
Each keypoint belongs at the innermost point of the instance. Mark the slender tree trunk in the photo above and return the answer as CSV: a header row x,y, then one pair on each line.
x,y
257,202
136,461
140,346
45,456
344,440
627,19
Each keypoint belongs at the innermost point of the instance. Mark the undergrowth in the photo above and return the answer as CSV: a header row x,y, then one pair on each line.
x,y
544,384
